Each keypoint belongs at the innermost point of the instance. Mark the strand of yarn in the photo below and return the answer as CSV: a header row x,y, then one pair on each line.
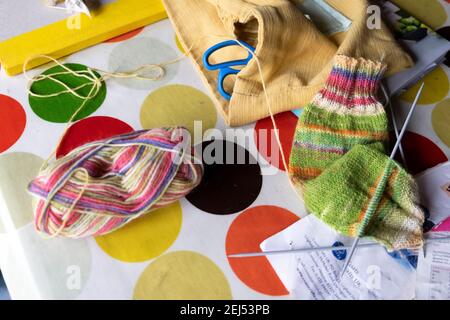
x,y
96,82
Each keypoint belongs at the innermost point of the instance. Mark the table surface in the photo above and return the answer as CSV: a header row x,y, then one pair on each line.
x,y
179,251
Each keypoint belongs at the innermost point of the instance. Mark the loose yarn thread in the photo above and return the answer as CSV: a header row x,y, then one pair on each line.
x,y
88,74
64,186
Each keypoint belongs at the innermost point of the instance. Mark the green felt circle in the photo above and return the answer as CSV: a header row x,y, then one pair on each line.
x,y
60,109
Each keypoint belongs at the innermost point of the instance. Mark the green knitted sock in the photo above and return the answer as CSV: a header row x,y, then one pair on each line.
x,y
343,114
365,194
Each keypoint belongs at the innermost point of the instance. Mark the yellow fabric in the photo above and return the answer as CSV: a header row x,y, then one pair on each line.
x,y
296,57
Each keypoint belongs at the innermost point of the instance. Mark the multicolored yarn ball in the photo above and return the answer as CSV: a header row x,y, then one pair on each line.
x,y
99,187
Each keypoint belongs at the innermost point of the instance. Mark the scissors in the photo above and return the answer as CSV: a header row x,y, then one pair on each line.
x,y
225,68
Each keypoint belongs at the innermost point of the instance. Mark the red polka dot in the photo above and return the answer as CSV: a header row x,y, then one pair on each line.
x,y
420,153
91,129
125,36
13,120
266,140
246,233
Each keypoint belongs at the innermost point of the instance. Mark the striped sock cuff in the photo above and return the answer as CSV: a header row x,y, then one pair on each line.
x,y
352,86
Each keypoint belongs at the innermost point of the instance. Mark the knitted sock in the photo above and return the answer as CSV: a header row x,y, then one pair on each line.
x,y
365,194
343,114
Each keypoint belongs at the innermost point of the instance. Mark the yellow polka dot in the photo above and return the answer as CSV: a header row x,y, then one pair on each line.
x,y
17,169
179,105
430,12
182,275
179,45
436,88
441,120
146,237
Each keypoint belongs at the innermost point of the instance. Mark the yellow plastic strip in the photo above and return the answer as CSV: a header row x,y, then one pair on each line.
x,y
76,33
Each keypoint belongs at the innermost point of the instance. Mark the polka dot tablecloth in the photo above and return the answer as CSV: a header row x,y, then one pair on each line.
x,y
178,252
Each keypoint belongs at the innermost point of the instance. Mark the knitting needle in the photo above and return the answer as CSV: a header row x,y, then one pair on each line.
x,y
394,151
394,122
302,250
314,249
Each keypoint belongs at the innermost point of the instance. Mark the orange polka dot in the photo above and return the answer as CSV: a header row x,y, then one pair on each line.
x,y
246,233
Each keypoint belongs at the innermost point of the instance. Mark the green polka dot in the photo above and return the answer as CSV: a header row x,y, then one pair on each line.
x,y
60,109
137,52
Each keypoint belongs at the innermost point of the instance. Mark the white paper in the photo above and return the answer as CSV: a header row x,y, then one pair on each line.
x,y
433,272
372,274
434,186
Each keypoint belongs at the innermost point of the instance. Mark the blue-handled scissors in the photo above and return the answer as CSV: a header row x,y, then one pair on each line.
x,y
225,68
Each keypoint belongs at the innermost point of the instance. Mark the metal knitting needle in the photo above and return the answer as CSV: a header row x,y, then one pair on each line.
x,y
332,248
314,249
303,250
394,151
394,121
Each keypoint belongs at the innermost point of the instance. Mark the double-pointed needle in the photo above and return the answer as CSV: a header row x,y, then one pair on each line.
x,y
317,249
356,243
394,151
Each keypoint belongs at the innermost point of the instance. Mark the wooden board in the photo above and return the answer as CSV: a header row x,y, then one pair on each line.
x,y
78,32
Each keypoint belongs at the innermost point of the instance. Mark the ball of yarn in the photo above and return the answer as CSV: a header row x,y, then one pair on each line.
x,y
99,187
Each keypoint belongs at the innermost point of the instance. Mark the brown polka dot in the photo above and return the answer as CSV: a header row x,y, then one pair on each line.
x,y
229,185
